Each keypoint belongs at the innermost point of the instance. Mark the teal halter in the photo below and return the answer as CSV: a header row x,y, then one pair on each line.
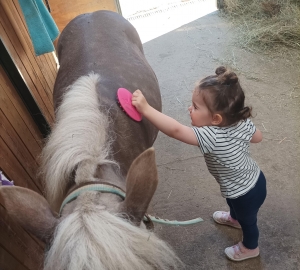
x,y
106,188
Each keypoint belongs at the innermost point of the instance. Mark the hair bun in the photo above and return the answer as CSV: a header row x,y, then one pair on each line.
x,y
220,70
245,112
230,78
226,76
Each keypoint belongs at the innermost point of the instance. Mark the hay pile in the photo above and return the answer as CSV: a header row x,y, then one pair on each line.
x,y
265,24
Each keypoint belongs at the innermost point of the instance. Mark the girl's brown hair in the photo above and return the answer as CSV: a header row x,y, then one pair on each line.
x,y
222,93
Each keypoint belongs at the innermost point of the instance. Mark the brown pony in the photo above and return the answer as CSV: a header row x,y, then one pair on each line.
x,y
94,153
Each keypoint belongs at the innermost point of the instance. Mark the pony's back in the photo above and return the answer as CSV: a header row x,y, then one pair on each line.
x,y
105,43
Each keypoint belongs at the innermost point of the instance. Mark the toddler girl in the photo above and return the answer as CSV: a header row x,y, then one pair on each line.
x,y
222,130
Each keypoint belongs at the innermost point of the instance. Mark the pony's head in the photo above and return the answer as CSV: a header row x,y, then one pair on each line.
x,y
96,230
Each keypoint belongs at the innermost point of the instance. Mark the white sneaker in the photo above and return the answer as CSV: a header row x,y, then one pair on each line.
x,y
224,218
239,252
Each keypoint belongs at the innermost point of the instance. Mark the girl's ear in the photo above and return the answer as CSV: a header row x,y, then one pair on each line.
x,y
217,119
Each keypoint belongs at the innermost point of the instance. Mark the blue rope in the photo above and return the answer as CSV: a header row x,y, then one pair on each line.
x,y
114,190
174,222
94,187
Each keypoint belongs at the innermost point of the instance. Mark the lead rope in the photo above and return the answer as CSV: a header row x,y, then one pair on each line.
x,y
114,190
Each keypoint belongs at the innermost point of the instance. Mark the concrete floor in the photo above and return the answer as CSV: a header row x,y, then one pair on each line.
x,y
186,189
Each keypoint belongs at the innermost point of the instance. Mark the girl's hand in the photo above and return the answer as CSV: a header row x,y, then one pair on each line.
x,y
139,101
164,123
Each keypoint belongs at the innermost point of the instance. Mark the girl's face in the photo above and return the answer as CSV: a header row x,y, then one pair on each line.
x,y
199,113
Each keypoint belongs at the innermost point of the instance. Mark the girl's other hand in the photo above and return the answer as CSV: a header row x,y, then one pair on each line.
x,y
139,101
257,137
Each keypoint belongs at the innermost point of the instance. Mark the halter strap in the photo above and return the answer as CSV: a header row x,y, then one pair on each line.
x,y
109,188
103,187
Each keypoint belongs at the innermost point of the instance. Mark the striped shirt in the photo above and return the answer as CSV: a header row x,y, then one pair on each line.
x,y
227,156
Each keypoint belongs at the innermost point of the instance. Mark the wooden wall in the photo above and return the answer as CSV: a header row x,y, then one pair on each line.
x,y
20,139
20,144
65,11
39,73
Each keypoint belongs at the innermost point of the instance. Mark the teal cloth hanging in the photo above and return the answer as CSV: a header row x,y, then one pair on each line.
x,y
41,26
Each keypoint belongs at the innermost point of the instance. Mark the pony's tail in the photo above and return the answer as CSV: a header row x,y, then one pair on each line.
x,y
78,139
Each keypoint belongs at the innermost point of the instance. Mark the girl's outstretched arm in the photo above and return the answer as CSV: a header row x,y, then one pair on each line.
x,y
164,123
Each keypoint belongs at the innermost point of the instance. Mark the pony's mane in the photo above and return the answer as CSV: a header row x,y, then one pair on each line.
x,y
91,238
78,140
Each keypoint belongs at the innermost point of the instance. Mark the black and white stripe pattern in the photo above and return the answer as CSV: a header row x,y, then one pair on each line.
x,y
227,156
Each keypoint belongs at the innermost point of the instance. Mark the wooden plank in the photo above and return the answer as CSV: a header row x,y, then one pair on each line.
x,y
49,58
24,38
47,114
45,58
18,149
19,56
8,262
14,170
52,61
48,67
48,72
63,12
17,35
10,91
17,122
19,243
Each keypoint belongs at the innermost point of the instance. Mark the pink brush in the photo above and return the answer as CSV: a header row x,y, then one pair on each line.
x,y
124,99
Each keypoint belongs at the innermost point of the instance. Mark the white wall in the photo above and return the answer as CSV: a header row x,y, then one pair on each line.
x,y
130,7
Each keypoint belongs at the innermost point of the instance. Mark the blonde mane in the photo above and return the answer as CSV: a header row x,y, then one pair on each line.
x,y
90,237
78,140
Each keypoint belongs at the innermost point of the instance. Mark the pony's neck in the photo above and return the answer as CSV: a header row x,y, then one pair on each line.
x,y
105,173
110,173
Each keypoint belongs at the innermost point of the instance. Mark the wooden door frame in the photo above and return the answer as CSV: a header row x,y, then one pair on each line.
x,y
16,79
118,6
